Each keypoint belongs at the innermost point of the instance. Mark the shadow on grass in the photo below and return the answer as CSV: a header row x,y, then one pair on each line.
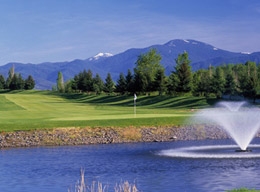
x,y
165,101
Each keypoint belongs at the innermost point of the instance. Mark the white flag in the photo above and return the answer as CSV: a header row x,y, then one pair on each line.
x,y
135,97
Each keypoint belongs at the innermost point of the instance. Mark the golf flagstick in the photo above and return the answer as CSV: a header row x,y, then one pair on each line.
x,y
135,97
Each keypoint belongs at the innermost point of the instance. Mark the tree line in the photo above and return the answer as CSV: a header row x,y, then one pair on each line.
x,y
15,81
149,76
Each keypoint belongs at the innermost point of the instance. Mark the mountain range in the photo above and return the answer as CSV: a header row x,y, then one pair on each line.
x,y
201,55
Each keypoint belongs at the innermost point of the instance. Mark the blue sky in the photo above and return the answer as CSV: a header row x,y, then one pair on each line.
x,y
35,31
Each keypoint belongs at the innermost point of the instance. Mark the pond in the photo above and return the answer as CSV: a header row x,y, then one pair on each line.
x,y
45,169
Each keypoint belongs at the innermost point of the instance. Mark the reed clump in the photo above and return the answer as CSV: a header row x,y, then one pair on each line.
x,y
81,186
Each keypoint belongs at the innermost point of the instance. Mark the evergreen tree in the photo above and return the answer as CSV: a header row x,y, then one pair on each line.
x,y
173,83
230,85
20,82
14,84
129,82
109,84
2,82
140,82
182,76
68,86
218,82
248,81
160,81
253,81
75,83
202,82
29,83
88,81
198,88
85,81
98,84
121,84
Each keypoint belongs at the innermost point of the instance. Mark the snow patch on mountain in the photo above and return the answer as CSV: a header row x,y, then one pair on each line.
x,y
247,53
171,44
100,55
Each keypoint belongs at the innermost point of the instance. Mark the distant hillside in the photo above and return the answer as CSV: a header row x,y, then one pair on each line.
x,y
201,56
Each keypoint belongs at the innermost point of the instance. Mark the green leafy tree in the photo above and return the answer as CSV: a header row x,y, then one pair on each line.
x,y
109,86
147,66
60,83
29,83
9,78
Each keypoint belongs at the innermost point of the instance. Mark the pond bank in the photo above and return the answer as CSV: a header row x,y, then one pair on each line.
x,y
85,136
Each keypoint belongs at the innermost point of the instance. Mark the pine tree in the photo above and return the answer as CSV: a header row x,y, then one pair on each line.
x,y
218,82
183,73
109,84
98,84
201,82
129,82
29,83
121,84
14,84
230,85
160,81
75,83
2,82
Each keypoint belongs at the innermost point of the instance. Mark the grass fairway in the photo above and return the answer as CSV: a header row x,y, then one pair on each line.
x,y
29,110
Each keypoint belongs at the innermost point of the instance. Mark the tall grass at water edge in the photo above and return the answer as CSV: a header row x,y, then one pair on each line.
x,y
81,186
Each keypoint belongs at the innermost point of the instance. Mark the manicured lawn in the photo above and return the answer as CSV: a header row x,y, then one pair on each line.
x,y
42,109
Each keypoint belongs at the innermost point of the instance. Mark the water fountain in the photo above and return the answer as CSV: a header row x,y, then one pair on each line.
x,y
239,120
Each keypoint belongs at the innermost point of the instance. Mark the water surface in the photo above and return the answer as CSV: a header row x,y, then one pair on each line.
x,y
56,169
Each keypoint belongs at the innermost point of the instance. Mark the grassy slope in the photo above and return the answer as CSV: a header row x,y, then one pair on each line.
x,y
35,109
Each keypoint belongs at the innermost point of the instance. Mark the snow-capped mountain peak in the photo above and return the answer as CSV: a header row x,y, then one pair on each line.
x,y
100,55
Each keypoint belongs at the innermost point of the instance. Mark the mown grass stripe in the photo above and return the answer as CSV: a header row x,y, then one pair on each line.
x,y
7,105
41,109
